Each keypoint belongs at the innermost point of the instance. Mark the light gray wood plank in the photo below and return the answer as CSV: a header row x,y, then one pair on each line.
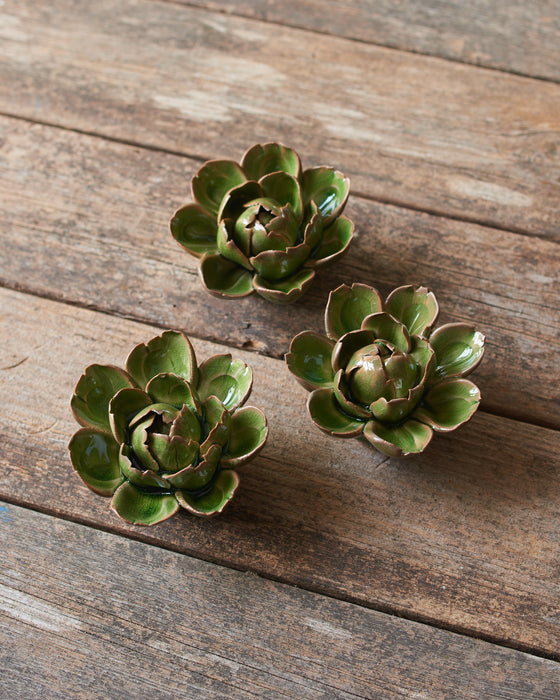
x,y
511,35
465,536
88,224
89,614
427,133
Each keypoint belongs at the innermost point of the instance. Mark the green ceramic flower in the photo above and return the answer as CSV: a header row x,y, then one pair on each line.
x,y
264,225
165,433
382,373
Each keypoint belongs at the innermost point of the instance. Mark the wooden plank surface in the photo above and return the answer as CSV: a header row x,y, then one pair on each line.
x,y
210,85
464,536
93,230
88,614
478,31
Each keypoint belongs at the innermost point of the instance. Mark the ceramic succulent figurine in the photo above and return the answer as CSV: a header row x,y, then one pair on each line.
x,y
264,226
166,432
382,373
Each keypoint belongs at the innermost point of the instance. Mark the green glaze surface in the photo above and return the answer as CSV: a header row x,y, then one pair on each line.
x,y
388,377
264,225
175,441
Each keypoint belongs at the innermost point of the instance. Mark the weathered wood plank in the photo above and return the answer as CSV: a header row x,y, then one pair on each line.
x,y
88,224
430,134
509,35
86,613
465,536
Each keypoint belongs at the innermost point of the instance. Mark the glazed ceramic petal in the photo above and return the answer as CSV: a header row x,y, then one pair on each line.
x,y
248,435
213,181
187,425
274,265
448,404
313,232
395,410
335,241
95,388
142,508
126,403
270,158
95,457
341,392
283,189
327,414
417,308
215,500
409,438
195,478
458,348
195,229
424,356
349,344
170,352
348,306
218,420
144,478
328,188
228,248
224,278
309,360
236,199
174,390
284,291
228,380
385,327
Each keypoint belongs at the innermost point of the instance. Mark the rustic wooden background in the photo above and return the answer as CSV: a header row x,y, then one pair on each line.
x,y
336,572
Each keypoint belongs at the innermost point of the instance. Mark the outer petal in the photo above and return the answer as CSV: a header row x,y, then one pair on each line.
x,y
409,438
95,388
213,181
169,352
228,380
195,229
95,457
224,278
142,508
309,360
416,308
284,291
448,404
336,239
275,265
328,188
270,158
215,500
327,414
458,348
248,435
348,306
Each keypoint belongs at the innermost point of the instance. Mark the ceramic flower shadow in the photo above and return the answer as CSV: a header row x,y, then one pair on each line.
x,y
264,225
165,433
382,373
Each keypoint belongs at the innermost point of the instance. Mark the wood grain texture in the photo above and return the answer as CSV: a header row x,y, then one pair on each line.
x,y
464,536
427,133
508,35
89,614
87,223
